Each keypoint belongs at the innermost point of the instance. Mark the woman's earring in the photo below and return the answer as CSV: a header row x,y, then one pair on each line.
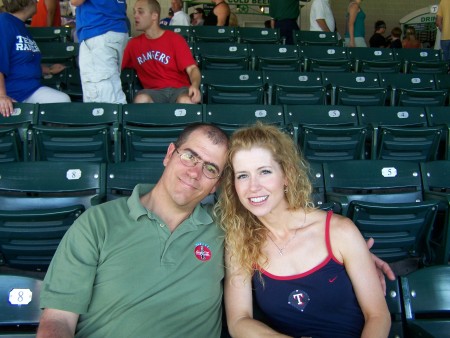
x,y
285,189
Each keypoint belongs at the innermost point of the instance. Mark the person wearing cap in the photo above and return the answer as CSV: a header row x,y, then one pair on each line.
x,y
378,40
20,61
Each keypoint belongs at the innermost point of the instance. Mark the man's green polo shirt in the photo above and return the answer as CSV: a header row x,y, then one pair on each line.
x,y
127,275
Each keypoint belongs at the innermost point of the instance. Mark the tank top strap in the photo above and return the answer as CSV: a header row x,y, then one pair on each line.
x,y
327,232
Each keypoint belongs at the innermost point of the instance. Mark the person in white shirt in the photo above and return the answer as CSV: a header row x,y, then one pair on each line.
x,y
321,17
179,18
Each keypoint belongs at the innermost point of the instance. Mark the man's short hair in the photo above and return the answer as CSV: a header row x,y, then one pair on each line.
x,y
396,32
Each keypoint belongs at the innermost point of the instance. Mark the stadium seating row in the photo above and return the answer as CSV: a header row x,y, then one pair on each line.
x,y
294,87
403,205
209,34
103,132
264,56
419,304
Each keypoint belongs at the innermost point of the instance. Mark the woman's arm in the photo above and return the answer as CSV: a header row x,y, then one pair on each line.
x,y
239,305
349,245
51,9
352,13
6,103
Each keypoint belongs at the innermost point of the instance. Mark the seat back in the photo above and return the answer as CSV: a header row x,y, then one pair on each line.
x,y
426,299
233,116
15,133
294,88
384,200
71,84
436,186
355,89
420,60
233,86
275,57
372,181
439,116
258,35
325,58
77,131
413,89
315,38
19,309
326,133
213,33
222,55
121,178
65,53
373,60
148,129
184,31
39,203
400,133
50,34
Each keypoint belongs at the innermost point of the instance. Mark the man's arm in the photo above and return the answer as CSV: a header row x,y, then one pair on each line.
x,y
323,25
439,22
195,78
57,324
383,268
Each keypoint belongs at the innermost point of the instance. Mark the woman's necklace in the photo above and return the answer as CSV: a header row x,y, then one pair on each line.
x,y
280,250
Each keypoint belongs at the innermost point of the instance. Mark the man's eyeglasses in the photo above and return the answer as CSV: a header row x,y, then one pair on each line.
x,y
190,160
196,12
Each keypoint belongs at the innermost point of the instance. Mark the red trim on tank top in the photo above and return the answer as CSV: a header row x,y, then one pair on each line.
x,y
316,268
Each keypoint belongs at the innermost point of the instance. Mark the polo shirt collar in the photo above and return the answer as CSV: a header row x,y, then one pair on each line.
x,y
200,215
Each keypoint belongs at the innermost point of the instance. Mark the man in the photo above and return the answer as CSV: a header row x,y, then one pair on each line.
x,y
443,24
150,265
179,18
321,17
285,14
162,60
219,15
103,33
378,40
146,266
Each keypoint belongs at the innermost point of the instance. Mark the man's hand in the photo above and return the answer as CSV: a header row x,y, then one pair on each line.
x,y
383,268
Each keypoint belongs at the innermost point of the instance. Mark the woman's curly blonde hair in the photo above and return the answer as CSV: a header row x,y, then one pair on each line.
x,y
245,234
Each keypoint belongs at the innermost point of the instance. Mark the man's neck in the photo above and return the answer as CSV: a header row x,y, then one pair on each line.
x,y
159,203
154,31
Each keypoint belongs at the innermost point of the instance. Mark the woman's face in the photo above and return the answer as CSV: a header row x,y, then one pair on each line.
x,y
259,181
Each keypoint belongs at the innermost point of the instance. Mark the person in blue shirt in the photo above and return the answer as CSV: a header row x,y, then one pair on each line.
x,y
20,60
103,33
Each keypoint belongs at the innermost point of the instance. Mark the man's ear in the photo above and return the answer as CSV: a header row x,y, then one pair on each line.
x,y
170,151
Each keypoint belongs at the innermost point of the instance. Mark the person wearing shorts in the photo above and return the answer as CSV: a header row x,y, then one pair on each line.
x,y
162,60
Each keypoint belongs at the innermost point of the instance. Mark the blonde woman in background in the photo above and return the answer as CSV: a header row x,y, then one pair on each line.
x,y
410,40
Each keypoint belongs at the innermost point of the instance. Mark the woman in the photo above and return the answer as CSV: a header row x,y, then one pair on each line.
x,y
355,30
310,270
20,60
219,15
48,14
198,17
410,40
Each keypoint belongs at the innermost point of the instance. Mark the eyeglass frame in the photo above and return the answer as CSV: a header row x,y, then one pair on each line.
x,y
196,160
